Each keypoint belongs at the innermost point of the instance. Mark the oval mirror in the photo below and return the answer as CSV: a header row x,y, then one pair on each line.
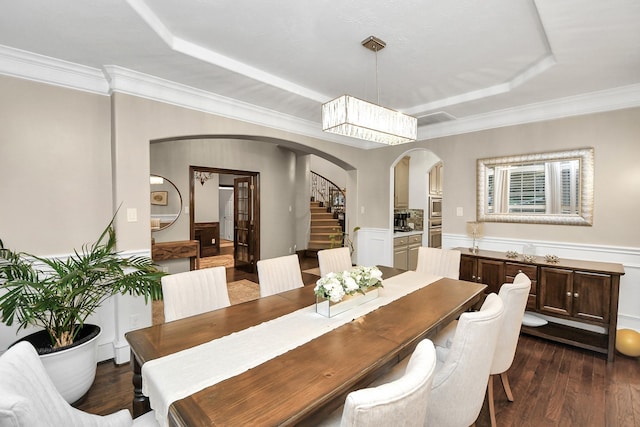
x,y
166,202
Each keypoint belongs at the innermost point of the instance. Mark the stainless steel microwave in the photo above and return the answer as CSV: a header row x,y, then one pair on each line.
x,y
435,207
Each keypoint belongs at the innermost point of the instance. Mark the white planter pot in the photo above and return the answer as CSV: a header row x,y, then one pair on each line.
x,y
73,369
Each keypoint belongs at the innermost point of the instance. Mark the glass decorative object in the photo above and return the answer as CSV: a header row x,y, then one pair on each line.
x,y
329,308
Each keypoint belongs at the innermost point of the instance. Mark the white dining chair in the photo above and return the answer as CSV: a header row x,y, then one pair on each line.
x,y
439,262
28,397
514,297
401,402
334,260
194,292
459,388
462,370
280,274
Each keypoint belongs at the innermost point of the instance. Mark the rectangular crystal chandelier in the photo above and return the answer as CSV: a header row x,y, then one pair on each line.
x,y
350,116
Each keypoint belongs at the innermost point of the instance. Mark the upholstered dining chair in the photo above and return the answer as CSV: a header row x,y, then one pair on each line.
x,y
194,292
29,398
439,262
514,297
458,389
334,260
402,402
279,274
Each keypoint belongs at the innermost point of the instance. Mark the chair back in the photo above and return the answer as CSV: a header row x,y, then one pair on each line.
x,y
402,402
28,397
514,297
439,262
460,382
279,274
334,260
194,292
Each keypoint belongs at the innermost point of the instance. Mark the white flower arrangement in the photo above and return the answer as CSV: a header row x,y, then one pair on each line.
x,y
334,286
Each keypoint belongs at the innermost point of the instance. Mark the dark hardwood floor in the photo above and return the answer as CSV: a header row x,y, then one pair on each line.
x,y
553,384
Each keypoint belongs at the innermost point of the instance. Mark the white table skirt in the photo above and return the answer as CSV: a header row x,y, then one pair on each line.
x,y
184,373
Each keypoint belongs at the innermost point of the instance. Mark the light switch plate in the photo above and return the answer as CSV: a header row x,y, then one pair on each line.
x,y
459,211
132,215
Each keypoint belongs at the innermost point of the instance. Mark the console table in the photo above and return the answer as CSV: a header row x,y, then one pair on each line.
x,y
585,292
175,250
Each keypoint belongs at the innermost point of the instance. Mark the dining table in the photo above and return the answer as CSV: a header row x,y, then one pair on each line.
x,y
306,383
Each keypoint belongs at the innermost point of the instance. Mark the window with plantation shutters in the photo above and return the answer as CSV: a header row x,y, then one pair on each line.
x,y
526,189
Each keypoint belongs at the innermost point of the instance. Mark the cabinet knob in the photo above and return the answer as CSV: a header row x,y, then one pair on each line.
x,y
519,271
568,294
479,279
576,295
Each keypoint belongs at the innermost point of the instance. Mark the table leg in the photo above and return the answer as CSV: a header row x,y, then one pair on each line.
x,y
140,401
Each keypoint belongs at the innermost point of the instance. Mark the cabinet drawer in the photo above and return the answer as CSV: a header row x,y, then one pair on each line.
x,y
400,241
513,269
416,238
531,302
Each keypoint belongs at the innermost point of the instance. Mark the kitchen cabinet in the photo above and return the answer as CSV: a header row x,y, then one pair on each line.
x,y
572,295
401,184
405,251
435,180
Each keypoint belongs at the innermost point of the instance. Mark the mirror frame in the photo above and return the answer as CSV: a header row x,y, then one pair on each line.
x,y
179,207
586,158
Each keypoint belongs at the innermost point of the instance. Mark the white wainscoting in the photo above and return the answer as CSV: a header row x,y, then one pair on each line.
x,y
117,316
629,301
374,247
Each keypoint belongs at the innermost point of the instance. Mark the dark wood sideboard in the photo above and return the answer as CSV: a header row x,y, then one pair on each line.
x,y
585,292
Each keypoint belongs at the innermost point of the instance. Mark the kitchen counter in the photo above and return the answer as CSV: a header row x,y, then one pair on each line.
x,y
407,233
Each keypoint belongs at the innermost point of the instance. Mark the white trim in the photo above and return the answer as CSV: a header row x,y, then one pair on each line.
x,y
30,66
39,68
629,257
588,103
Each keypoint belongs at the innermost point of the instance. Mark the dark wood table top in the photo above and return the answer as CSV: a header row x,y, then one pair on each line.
x,y
313,379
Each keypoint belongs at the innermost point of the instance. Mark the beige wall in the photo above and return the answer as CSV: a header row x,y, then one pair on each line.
x,y
55,167
615,138
69,158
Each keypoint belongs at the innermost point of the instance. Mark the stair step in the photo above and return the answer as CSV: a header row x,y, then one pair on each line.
x,y
326,229
314,244
322,215
319,209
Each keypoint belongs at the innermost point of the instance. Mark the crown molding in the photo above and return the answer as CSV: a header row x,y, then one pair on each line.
x,y
30,66
39,68
133,83
589,103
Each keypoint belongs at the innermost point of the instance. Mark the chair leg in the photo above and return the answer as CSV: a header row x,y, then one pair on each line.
x,y
492,408
505,384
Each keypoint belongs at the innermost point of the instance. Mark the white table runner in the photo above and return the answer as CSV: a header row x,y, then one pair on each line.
x,y
184,373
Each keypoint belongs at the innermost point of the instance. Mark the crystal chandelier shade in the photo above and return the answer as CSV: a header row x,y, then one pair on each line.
x,y
350,116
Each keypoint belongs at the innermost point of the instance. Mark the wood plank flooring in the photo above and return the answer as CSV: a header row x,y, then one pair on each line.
x,y
553,384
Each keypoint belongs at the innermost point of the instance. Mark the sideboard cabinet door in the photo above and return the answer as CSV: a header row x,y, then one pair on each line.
x,y
556,291
591,296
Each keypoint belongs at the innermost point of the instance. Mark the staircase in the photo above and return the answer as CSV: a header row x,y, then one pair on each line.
x,y
323,226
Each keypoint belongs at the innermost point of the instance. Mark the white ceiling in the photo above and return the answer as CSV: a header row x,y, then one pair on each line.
x,y
471,63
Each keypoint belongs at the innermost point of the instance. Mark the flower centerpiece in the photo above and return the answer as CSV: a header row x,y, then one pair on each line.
x,y
335,291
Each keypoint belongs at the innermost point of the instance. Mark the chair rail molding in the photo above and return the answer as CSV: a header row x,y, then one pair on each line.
x,y
628,309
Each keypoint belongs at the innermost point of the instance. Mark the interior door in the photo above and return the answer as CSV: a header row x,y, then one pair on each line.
x,y
243,223
226,219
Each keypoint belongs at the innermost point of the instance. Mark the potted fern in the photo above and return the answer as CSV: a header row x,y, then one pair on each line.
x,y
59,295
